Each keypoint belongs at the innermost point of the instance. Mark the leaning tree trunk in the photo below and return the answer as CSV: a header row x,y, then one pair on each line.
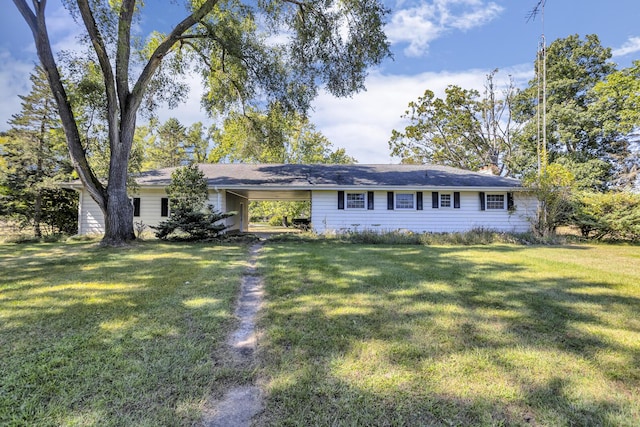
x,y
121,103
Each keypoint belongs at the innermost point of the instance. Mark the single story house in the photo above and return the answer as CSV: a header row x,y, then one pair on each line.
x,y
417,198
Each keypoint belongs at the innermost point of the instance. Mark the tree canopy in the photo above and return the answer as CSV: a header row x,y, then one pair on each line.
x,y
275,136
466,129
587,138
235,47
591,117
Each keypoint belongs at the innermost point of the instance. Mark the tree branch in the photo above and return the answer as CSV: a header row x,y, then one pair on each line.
x,y
124,51
164,47
107,72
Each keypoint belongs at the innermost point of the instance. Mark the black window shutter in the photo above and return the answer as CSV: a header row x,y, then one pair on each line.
x,y
390,200
164,207
136,206
340,199
510,204
456,200
481,200
370,200
419,200
434,199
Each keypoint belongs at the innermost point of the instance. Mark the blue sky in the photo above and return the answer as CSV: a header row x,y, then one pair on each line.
x,y
435,43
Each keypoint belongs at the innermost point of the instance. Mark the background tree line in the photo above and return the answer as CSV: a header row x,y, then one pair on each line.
x,y
593,113
235,46
34,158
592,117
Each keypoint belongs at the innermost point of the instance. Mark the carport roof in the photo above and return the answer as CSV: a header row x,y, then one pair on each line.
x,y
320,176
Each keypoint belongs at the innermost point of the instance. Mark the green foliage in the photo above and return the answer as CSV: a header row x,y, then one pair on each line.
x,y
275,212
168,148
273,136
188,194
583,120
185,224
476,236
553,188
34,161
188,190
248,53
617,101
466,130
612,215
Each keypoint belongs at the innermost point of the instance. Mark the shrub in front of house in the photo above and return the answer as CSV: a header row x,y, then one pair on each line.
x,y
188,224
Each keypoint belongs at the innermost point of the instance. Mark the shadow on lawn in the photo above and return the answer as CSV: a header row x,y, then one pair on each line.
x,y
129,335
339,305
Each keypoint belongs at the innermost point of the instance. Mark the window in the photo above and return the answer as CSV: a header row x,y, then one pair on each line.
x,y
355,200
445,200
404,200
495,201
136,206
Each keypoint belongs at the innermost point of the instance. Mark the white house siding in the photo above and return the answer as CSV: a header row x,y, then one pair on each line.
x,y
91,220
326,217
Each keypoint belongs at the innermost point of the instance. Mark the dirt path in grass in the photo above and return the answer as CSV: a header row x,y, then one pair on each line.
x,y
240,404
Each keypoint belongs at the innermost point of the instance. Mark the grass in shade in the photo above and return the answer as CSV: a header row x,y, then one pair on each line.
x,y
450,335
103,337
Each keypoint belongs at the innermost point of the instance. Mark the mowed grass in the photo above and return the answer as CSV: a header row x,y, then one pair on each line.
x,y
104,337
450,335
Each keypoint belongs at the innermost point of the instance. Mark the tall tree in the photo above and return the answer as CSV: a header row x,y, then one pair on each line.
x,y
576,132
35,159
466,129
168,147
197,143
276,136
617,101
331,42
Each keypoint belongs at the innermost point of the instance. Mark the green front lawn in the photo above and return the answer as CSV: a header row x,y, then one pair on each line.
x,y
449,335
351,334
105,337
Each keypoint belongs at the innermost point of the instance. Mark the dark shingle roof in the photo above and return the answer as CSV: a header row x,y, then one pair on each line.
x,y
317,176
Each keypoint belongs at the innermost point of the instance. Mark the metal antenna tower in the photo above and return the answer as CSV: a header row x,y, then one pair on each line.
x,y
541,73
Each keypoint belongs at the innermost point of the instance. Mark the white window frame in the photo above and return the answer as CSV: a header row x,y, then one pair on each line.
x,y
397,200
493,204
450,196
348,204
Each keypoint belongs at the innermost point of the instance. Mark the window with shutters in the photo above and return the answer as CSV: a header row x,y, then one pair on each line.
x,y
356,200
445,200
495,201
404,201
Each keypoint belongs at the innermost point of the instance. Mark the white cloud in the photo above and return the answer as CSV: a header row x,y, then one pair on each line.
x,y
363,123
189,111
14,81
419,25
630,46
